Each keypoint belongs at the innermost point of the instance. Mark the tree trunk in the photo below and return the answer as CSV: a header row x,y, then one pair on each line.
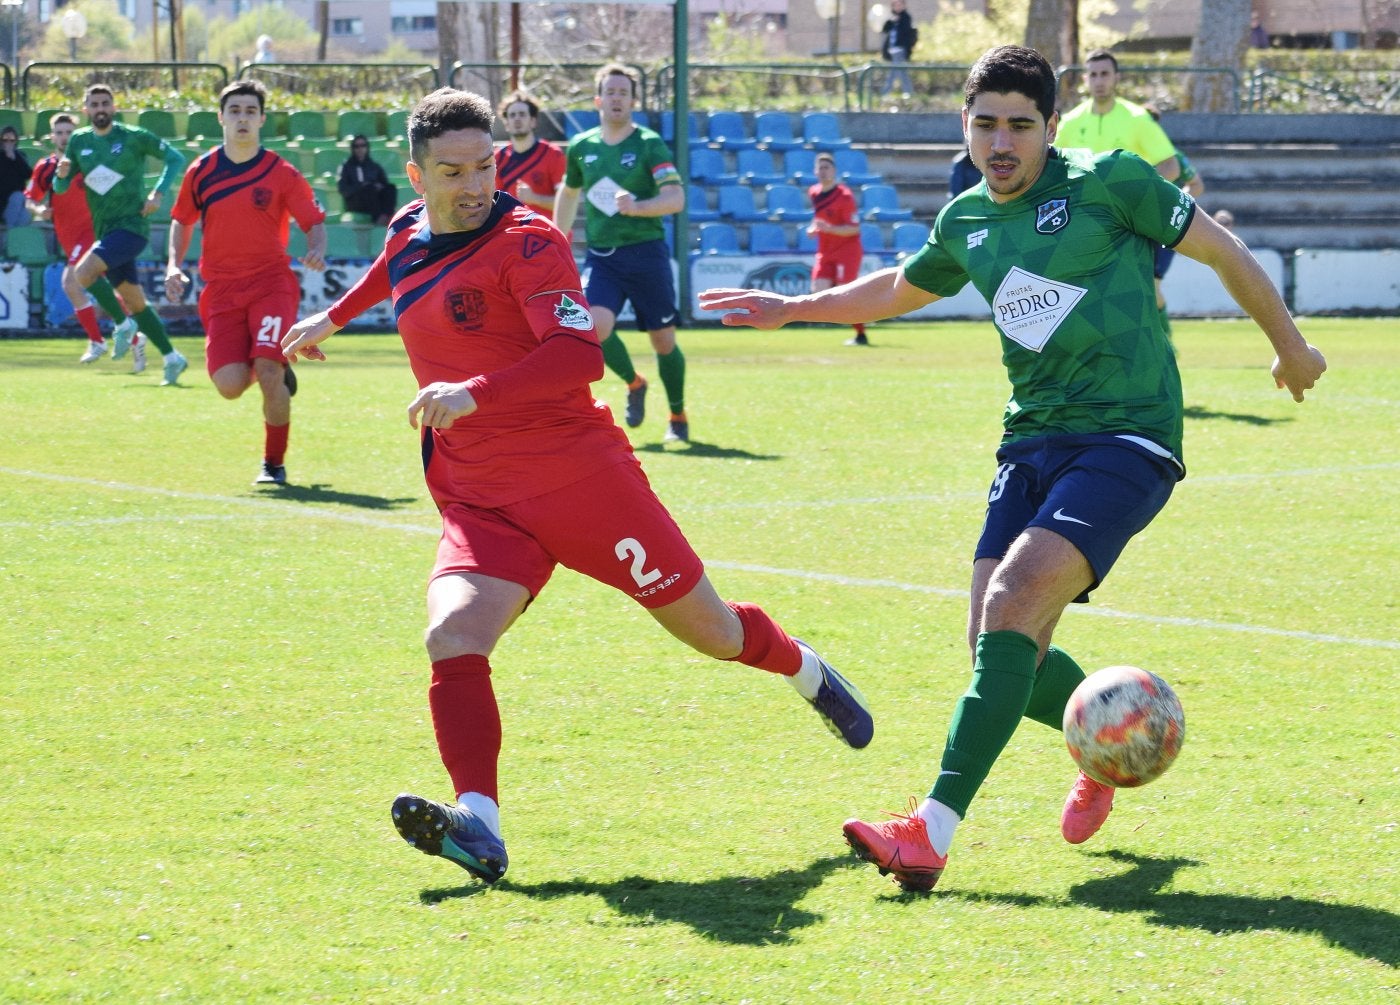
x,y
323,28
1052,28
1220,43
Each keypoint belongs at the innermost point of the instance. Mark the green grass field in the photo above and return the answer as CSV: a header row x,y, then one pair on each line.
x,y
213,692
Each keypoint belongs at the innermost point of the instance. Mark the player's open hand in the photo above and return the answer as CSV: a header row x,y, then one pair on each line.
x,y
440,404
313,260
176,283
1299,371
754,308
304,338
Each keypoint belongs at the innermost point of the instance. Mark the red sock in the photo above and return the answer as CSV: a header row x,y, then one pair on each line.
x,y
87,317
275,443
467,723
860,329
766,645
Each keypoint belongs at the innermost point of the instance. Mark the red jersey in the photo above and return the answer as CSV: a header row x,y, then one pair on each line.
x,y
501,308
836,207
541,168
72,221
246,211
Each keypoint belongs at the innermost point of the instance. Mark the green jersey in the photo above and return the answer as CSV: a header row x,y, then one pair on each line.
x,y
640,164
113,169
1067,268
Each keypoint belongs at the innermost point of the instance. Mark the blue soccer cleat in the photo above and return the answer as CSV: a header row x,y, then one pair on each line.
x,y
122,335
841,706
636,405
453,833
173,368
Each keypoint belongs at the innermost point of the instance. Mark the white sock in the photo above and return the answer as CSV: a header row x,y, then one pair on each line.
x,y
482,807
808,679
941,821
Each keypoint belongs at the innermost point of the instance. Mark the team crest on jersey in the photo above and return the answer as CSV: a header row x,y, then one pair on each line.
x,y
116,148
262,197
629,160
466,307
572,314
1052,216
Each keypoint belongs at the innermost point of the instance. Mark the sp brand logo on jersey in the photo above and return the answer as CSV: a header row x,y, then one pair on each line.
x,y
466,307
1052,216
572,314
975,239
262,197
628,160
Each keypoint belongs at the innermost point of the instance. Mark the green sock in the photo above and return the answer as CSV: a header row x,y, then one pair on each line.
x,y
986,716
1055,681
619,361
671,367
153,328
106,298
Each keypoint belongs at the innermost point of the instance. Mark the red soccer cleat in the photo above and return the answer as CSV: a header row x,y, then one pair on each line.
x,y
899,847
1086,808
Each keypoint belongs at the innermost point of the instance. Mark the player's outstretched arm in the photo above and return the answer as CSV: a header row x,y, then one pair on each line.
x,y
879,295
1298,365
304,338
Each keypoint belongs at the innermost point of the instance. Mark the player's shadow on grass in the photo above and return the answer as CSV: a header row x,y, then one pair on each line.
x,y
1367,932
325,494
1197,412
745,910
696,448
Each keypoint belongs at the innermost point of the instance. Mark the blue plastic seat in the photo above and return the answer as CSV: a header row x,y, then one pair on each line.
x,y
806,242
881,203
708,167
773,130
768,239
755,167
854,169
579,120
789,203
728,131
736,202
668,127
822,131
909,237
799,166
719,239
872,237
697,205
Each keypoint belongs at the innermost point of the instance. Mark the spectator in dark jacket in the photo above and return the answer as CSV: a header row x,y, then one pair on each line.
x,y
14,176
899,40
364,185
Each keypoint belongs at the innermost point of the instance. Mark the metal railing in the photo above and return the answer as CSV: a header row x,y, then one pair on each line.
x,y
776,86
1166,88
66,80
552,85
391,85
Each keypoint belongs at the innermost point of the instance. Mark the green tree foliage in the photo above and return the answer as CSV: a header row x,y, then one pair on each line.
x,y
233,43
110,37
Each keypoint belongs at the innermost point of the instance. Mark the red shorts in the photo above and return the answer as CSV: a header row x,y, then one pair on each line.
x,y
79,248
840,269
609,526
245,319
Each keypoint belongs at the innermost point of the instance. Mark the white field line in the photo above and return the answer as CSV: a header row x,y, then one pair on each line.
x,y
278,508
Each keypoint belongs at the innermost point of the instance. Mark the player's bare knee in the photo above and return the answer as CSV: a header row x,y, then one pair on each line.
x,y
455,633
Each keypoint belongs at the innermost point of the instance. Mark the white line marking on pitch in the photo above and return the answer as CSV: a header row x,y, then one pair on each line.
x,y
819,577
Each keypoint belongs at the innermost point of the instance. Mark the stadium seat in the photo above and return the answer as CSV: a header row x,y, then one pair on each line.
x,y
668,127
788,202
822,131
12,117
30,246
806,242
755,167
358,123
374,239
707,167
768,239
872,237
296,242
578,121
798,165
158,121
306,125
41,122
325,163
396,125
203,128
909,237
719,239
342,241
854,169
773,130
727,131
736,202
697,205
881,203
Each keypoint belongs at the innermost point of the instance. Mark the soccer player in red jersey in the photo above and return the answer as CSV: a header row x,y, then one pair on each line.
x,y
72,226
836,226
527,469
245,198
529,168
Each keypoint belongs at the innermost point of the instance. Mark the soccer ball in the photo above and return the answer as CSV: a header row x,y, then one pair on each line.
x,y
1124,726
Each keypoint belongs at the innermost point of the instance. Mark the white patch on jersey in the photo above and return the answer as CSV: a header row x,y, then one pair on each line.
x,y
1029,308
570,314
101,179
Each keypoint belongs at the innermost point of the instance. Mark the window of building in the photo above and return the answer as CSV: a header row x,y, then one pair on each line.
x,y
419,22
347,26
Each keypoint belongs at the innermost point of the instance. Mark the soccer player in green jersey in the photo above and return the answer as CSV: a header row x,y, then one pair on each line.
x,y
1060,243
629,180
111,157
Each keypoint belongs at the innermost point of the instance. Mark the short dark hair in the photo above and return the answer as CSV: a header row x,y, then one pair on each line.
x,y
616,70
445,110
1009,69
58,117
242,87
10,131
518,97
98,89
1101,54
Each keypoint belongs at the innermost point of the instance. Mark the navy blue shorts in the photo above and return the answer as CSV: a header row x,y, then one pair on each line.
x,y
640,273
118,250
1162,260
1096,491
